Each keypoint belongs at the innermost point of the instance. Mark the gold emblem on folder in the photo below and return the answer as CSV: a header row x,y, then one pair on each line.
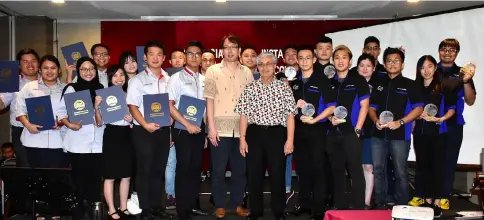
x,y
39,111
6,73
191,110
111,100
76,55
155,107
79,105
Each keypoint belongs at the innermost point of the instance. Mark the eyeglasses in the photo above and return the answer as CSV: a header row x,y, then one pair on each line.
x,y
101,55
85,70
191,54
372,48
231,47
448,50
392,62
262,65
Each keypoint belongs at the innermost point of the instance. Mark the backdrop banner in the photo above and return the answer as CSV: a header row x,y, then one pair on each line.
x,y
269,36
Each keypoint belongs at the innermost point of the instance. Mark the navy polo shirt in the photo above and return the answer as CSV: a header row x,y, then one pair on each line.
x,y
316,90
444,103
400,96
350,91
453,85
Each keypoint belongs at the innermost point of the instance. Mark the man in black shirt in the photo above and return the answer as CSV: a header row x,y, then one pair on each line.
x,y
372,47
462,87
324,51
309,144
403,99
343,144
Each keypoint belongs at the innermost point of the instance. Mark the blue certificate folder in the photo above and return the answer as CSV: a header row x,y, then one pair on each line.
x,y
79,107
192,110
73,52
39,112
113,106
157,109
9,76
140,52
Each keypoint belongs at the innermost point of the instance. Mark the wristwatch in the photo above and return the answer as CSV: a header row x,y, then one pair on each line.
x,y
402,122
358,131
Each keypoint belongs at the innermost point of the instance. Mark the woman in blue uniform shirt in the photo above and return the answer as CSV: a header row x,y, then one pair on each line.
x,y
429,133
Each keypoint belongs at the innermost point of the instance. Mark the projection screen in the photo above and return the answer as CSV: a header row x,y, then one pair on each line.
x,y
422,36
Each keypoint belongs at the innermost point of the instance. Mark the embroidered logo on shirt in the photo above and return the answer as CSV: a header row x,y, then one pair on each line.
x,y
295,87
380,88
402,89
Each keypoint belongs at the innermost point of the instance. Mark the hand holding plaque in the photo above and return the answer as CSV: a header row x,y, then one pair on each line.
x,y
340,113
467,71
290,73
385,118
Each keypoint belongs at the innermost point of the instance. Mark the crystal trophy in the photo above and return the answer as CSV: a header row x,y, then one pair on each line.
x,y
290,73
340,113
385,118
329,71
308,110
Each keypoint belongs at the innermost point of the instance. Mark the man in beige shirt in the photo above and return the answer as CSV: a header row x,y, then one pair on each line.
x,y
224,83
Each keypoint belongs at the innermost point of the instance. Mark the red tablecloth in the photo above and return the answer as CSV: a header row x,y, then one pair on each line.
x,y
358,214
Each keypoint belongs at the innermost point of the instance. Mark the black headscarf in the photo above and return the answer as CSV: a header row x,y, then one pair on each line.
x,y
82,84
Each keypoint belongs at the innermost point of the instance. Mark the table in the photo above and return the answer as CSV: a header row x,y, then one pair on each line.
x,y
358,214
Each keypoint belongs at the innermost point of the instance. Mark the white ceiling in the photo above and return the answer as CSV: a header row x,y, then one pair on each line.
x,y
75,10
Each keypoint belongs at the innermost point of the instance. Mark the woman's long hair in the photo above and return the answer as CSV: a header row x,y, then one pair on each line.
x,y
112,71
436,81
82,84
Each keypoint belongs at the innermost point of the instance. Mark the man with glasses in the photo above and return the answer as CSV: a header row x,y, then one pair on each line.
x,y
208,59
224,83
267,110
402,98
100,54
372,47
465,91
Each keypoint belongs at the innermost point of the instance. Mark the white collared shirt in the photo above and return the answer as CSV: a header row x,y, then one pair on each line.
x,y
103,78
145,83
183,83
88,139
11,99
45,139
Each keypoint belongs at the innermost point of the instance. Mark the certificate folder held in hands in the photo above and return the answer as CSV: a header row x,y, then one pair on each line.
x,y
192,110
157,109
73,52
9,76
79,107
39,112
113,106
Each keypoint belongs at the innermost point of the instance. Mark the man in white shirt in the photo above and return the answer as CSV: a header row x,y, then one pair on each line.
x,y
100,55
29,70
151,142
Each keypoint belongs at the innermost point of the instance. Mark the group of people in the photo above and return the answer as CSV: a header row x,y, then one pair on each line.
x,y
256,119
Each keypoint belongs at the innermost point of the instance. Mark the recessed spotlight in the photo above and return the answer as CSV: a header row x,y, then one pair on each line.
x,y
220,1
58,1
413,1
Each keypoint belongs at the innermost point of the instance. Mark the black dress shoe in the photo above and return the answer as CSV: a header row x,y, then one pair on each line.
x,y
199,212
300,211
146,215
161,213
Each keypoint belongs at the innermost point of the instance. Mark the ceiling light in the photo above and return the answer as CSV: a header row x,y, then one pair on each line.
x,y
220,1
58,1
240,18
413,1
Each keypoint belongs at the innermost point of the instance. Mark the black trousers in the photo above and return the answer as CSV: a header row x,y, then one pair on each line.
x,y
189,154
430,157
266,150
344,152
309,155
87,175
21,158
47,158
151,156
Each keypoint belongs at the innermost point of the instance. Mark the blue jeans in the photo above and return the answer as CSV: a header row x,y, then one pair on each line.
x,y
288,172
170,172
398,150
